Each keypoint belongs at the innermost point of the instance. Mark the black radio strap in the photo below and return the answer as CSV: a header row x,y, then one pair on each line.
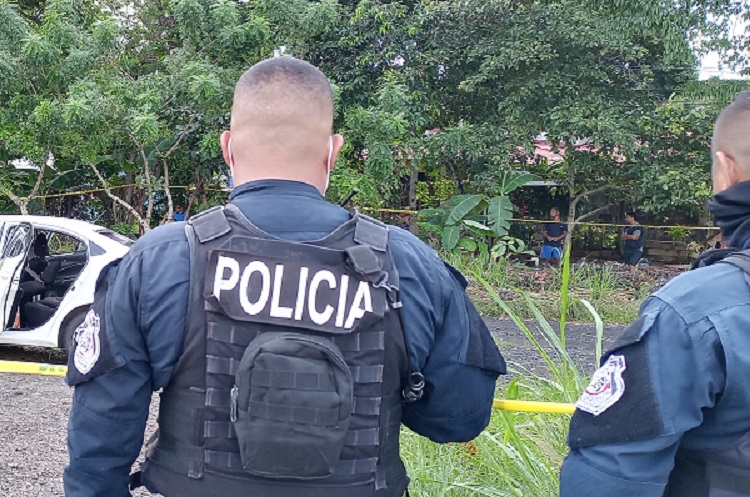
x,y
742,261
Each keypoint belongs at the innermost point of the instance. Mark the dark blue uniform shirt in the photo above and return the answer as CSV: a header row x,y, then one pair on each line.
x,y
146,308
694,333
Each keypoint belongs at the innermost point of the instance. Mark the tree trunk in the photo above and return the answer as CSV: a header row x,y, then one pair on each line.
x,y
167,191
143,222
23,202
413,179
572,219
456,177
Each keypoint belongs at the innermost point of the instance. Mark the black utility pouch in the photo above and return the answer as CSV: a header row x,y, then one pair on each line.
x,y
291,406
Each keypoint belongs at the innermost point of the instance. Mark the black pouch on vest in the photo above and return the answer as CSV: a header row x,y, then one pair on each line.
x,y
291,406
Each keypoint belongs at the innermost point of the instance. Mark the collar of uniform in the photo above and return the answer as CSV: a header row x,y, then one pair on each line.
x,y
276,187
731,211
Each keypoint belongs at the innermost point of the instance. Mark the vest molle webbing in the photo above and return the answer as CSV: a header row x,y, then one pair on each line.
x,y
314,331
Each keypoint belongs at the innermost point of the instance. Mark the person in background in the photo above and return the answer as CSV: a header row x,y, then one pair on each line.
x,y
667,413
179,213
405,220
632,237
554,233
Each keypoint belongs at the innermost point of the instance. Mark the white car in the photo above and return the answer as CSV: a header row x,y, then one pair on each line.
x,y
76,253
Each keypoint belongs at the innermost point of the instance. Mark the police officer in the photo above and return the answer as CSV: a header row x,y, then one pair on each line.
x,y
667,413
291,338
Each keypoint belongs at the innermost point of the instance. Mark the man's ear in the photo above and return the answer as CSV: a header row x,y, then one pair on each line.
x,y
338,144
725,172
224,141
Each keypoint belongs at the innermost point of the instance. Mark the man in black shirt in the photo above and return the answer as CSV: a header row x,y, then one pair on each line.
x,y
554,234
632,247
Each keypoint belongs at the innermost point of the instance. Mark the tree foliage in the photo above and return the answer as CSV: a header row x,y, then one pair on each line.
x,y
130,97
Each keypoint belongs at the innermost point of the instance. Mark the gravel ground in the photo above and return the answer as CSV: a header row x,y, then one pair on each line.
x,y
34,409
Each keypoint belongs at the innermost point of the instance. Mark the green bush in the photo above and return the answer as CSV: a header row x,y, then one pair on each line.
x,y
519,454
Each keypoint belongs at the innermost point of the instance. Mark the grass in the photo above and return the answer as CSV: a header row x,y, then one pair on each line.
x,y
519,454
613,293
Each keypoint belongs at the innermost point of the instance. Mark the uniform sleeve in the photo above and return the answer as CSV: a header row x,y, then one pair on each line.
x,y
451,346
670,371
145,312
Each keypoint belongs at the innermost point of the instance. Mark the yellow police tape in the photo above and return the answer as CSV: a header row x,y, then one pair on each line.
x,y
531,406
387,211
499,404
32,368
112,188
545,221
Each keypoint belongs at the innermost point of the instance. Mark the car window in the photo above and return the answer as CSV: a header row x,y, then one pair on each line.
x,y
17,240
62,244
116,237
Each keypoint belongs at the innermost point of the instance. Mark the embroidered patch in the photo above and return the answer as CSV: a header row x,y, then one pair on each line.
x,y
606,387
88,348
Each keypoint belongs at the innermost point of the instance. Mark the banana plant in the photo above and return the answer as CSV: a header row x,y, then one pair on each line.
x,y
472,221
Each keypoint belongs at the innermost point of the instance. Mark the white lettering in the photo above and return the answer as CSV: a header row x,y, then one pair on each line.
x,y
265,289
362,296
300,307
342,301
220,283
320,318
278,311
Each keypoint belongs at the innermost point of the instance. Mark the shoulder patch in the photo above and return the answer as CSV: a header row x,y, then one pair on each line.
x,y
606,388
95,349
88,346
620,404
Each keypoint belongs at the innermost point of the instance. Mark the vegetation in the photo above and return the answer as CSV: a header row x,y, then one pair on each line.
x,y
128,98
477,223
520,453
615,295
112,110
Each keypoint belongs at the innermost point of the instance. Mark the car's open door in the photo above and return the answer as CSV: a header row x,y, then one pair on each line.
x,y
14,250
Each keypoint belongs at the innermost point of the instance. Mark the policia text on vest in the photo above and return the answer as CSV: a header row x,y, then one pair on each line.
x,y
288,292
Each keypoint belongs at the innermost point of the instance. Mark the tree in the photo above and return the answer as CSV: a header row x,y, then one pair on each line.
x,y
12,182
131,96
119,91
587,88
37,62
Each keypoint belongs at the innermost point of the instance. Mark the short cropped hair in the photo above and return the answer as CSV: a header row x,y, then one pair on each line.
x,y
732,129
296,78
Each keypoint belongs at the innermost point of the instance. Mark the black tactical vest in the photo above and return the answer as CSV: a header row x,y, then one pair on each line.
x,y
721,472
290,381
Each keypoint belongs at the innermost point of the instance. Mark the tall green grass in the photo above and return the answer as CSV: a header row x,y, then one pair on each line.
x,y
519,454
615,297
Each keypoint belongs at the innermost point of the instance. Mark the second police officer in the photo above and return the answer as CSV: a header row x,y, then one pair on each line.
x,y
668,414
291,338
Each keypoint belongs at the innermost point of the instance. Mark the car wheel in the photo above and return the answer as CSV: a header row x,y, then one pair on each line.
x,y
69,329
